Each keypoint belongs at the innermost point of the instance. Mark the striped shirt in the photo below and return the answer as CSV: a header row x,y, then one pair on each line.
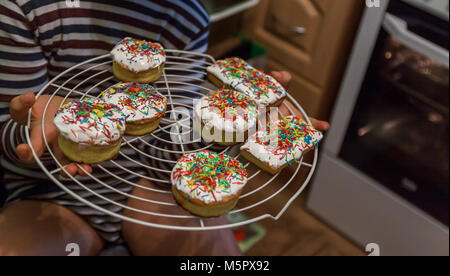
x,y
39,39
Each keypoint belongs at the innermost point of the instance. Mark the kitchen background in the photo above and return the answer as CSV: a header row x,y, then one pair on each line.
x,y
380,75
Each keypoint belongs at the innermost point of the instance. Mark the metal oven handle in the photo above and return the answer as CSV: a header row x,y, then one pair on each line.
x,y
399,29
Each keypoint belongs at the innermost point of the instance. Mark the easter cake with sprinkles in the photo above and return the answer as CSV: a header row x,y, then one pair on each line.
x,y
225,116
237,74
208,184
138,60
90,131
142,105
280,145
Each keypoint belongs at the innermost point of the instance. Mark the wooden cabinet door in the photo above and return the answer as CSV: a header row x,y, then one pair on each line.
x,y
306,94
277,24
295,22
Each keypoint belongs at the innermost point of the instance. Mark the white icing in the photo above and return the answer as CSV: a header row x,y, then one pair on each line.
x,y
212,117
137,101
186,183
268,155
274,92
141,59
90,121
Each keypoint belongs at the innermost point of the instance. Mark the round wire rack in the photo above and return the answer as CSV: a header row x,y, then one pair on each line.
x,y
136,186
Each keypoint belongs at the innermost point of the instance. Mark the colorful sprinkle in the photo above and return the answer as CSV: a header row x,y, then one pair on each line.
x,y
141,47
209,176
83,120
138,101
288,137
138,55
257,84
231,104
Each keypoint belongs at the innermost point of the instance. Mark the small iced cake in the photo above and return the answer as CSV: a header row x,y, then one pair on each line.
x,y
208,184
142,105
225,116
138,60
238,74
282,144
90,131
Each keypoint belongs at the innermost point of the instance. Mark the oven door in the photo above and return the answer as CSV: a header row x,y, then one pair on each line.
x,y
399,131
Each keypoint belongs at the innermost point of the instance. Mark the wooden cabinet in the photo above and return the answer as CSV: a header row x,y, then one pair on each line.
x,y
306,93
310,38
296,23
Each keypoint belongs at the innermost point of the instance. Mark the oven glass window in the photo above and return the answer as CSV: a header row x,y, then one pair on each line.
x,y
399,132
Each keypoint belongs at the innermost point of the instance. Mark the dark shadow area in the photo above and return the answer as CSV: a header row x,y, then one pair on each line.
x,y
2,189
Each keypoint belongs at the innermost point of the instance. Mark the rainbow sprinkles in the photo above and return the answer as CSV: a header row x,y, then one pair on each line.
x,y
228,110
137,101
208,176
138,55
91,122
238,74
291,138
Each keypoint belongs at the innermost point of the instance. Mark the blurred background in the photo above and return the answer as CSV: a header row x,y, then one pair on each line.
x,y
378,70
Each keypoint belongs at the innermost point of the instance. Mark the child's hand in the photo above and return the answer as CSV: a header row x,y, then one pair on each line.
x,y
19,107
285,78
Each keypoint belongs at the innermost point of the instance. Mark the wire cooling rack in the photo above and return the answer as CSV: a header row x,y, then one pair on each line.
x,y
153,156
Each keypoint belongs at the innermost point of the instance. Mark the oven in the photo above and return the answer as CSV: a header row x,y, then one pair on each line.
x,y
388,149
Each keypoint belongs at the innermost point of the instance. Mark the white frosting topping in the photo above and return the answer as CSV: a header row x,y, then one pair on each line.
x,y
288,140
137,101
90,121
138,55
238,74
228,110
209,176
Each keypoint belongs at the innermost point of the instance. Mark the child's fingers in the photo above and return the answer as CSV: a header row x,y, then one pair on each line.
x,y
288,108
282,77
320,125
87,170
19,107
24,151
70,169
